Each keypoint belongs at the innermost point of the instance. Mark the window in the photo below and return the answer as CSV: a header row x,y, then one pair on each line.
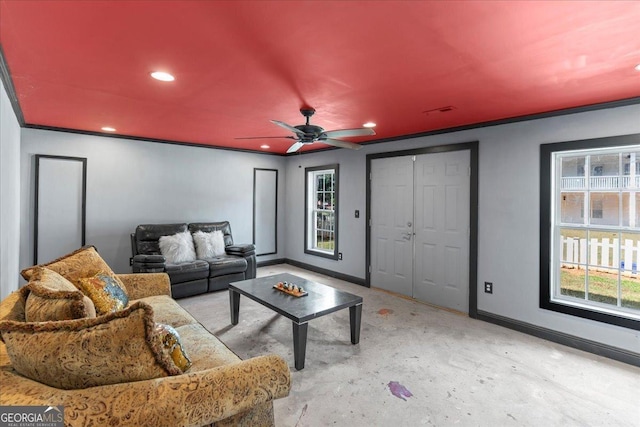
x,y
596,208
590,229
321,224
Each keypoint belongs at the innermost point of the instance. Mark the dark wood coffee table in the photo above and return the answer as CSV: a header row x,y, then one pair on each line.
x,y
321,300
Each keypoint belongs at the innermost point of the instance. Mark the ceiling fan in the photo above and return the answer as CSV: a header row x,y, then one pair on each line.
x,y
309,134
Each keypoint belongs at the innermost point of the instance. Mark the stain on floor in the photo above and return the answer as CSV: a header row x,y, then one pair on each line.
x,y
304,411
398,390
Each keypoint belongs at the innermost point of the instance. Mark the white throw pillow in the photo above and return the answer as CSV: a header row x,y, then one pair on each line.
x,y
178,248
209,245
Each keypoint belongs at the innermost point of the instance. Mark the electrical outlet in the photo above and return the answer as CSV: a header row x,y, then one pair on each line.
x,y
340,256
488,287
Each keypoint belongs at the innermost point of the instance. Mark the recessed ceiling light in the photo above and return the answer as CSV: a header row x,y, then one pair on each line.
x,y
638,67
369,125
162,76
108,129
265,146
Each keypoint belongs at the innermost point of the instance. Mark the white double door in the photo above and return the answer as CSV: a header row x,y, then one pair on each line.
x,y
420,227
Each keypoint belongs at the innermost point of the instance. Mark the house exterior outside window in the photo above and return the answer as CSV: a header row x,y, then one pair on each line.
x,y
590,229
321,213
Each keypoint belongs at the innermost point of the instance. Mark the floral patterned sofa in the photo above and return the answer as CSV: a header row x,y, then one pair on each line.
x,y
60,348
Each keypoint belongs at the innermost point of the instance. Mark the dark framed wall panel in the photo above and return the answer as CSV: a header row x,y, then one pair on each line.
x,y
60,206
265,211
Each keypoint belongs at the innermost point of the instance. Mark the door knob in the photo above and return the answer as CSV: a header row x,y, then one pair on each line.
x,y
409,224
406,236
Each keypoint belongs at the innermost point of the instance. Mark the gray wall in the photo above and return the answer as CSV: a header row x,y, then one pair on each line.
x,y
131,182
134,182
509,165
351,230
9,196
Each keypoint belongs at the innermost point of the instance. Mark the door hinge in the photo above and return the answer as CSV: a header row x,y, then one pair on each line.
x,y
469,171
370,176
369,269
369,222
413,158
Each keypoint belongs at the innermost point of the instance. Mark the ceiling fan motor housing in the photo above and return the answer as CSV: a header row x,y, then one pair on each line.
x,y
311,132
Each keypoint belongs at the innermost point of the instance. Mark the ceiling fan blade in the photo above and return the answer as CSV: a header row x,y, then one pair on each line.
x,y
295,147
345,133
266,137
288,127
341,144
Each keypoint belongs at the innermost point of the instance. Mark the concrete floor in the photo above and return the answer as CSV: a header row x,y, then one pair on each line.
x,y
445,368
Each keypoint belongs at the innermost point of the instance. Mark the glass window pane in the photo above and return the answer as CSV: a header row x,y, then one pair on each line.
x,y
604,251
572,208
605,208
605,171
573,247
629,274
629,246
572,282
607,164
629,158
603,287
630,287
631,209
573,166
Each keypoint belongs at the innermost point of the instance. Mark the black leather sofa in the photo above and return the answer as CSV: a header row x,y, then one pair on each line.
x,y
193,277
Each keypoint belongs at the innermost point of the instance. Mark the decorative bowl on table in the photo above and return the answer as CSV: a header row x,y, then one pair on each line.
x,y
290,288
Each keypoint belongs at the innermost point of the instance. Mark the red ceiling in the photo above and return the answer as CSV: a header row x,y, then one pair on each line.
x,y
84,65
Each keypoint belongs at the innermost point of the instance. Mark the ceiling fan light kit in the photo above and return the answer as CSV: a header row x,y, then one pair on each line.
x,y
310,134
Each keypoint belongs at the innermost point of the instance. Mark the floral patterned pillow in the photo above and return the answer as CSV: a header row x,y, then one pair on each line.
x,y
85,262
119,347
51,297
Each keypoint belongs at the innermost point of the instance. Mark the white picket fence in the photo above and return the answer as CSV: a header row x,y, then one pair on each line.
x,y
604,255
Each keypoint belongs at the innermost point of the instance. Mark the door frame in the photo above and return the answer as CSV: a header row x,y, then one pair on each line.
x,y
473,147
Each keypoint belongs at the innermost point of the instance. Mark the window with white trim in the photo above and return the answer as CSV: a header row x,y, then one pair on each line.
x,y
590,229
321,223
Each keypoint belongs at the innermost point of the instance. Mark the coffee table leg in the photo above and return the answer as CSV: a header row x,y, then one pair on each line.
x,y
299,343
234,302
355,318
